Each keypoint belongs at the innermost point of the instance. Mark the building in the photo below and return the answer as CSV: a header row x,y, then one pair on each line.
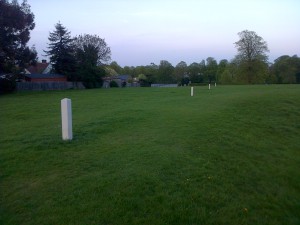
x,y
45,78
39,68
41,72
121,80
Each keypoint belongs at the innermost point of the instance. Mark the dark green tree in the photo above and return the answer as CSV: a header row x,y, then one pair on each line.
x,y
151,73
252,58
16,22
94,48
194,73
165,72
221,68
91,52
211,70
286,69
180,71
114,65
61,51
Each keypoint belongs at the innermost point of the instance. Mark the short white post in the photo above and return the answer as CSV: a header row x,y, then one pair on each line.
x,y
66,119
215,84
192,91
208,86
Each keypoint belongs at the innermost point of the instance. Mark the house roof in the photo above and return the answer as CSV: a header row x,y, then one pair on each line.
x,y
123,77
38,68
40,76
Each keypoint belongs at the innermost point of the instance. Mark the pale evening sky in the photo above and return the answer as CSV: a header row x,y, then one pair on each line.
x,y
142,31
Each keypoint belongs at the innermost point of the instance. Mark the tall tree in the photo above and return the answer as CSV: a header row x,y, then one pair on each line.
x,y
165,72
286,69
16,22
194,73
151,73
91,52
221,68
180,71
61,51
94,48
114,65
211,69
251,47
252,57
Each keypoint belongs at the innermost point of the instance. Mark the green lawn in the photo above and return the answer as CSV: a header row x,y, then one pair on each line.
x,y
155,156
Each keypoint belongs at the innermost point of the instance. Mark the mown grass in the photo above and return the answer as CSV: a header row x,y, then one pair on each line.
x,y
152,156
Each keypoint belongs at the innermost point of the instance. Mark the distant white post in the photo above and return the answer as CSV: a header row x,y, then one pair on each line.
x,y
208,86
66,119
216,84
192,91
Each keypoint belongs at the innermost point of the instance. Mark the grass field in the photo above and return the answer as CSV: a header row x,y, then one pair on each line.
x,y
230,156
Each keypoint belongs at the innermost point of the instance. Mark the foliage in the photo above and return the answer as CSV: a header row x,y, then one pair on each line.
x,y
16,22
110,71
93,48
252,57
61,51
114,65
180,71
286,69
143,80
221,68
113,84
7,84
91,76
165,72
194,73
211,70
152,156
251,47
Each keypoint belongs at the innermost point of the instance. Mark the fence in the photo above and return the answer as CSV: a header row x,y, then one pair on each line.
x,y
45,86
164,85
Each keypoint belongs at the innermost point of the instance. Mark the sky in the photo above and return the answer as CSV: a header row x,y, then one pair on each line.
x,y
140,32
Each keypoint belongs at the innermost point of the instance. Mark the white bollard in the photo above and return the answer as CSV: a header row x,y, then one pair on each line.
x,y
215,84
208,86
192,91
66,119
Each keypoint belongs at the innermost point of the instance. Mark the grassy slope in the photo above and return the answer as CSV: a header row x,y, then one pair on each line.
x,y
152,156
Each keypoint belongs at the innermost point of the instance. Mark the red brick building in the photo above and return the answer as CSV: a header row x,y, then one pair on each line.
x,y
45,78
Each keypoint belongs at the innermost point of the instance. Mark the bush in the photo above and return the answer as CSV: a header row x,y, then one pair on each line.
x,y
92,84
7,85
113,84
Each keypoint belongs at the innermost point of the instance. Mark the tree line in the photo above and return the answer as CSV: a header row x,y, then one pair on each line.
x,y
249,66
87,57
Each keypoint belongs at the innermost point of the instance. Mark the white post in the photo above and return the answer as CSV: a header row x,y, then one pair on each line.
x,y
66,119
215,84
192,91
208,86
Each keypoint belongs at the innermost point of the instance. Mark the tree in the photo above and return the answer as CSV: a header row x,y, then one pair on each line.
x,y
286,69
91,52
251,47
211,69
252,57
151,73
221,68
180,71
165,71
194,73
143,80
114,65
61,51
93,48
16,22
